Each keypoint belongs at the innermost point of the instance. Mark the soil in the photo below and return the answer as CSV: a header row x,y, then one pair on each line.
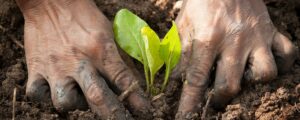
x,y
279,99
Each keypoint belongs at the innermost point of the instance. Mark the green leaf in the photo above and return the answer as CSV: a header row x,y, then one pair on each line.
x,y
170,50
152,45
127,29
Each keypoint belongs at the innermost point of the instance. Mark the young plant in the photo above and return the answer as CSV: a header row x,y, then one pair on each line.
x,y
170,50
127,29
152,48
138,40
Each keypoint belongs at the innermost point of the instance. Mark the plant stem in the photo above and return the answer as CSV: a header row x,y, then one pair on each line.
x,y
166,79
151,84
151,80
147,78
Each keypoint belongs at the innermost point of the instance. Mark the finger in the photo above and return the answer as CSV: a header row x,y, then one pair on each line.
x,y
37,88
186,48
130,63
263,67
284,51
66,95
197,76
122,77
230,69
99,96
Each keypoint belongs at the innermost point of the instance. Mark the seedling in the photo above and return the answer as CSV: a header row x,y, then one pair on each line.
x,y
138,40
152,48
170,50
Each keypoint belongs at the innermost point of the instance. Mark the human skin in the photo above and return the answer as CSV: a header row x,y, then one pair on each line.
x,y
238,37
72,57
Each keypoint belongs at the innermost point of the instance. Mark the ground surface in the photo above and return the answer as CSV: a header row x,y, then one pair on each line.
x,y
277,100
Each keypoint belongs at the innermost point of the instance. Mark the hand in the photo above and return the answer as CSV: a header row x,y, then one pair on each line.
x,y
239,37
71,54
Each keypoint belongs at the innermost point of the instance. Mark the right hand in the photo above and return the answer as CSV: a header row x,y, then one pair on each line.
x,y
72,57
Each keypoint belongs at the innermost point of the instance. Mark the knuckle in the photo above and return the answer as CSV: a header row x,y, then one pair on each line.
x,y
205,44
33,63
118,73
53,58
198,74
82,66
122,78
110,50
197,77
109,55
95,95
110,46
236,28
231,61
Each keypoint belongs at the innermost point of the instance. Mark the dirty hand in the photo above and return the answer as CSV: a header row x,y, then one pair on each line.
x,y
71,54
238,37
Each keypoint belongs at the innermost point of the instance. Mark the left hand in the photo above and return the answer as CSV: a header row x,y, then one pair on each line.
x,y
237,35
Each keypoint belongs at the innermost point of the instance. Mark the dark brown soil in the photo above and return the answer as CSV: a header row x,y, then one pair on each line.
x,y
276,100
